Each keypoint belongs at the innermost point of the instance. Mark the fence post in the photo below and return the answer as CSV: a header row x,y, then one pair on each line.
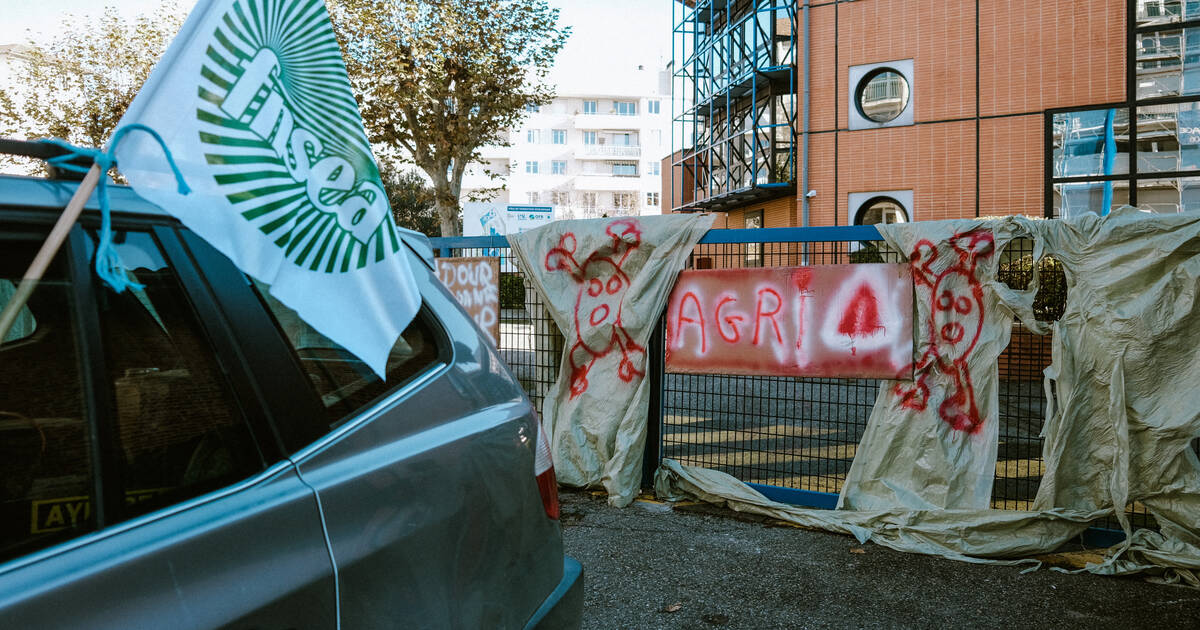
x,y
655,371
547,347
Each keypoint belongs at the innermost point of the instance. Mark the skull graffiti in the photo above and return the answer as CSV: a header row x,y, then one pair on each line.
x,y
603,285
956,315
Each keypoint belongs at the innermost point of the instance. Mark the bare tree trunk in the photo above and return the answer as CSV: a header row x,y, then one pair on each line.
x,y
445,201
447,216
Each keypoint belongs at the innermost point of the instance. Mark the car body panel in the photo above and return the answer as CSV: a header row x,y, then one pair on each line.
x,y
419,510
430,497
250,556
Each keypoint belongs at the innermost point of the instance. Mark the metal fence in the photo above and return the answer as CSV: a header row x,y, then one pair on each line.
x,y
794,438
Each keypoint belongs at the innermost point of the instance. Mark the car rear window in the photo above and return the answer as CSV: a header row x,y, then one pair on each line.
x,y
180,430
343,382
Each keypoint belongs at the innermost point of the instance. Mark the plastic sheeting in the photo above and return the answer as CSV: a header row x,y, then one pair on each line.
x,y
606,282
1125,370
1122,412
931,442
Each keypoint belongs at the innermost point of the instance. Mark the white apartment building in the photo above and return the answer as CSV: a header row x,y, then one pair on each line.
x,y
588,155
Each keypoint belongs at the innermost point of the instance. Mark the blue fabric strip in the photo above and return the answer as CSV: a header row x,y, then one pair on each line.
x,y
107,262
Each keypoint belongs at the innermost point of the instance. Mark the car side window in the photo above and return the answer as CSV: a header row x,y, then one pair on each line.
x,y
343,383
46,469
179,429
168,417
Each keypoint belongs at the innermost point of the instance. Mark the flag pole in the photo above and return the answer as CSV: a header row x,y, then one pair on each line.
x,y
49,248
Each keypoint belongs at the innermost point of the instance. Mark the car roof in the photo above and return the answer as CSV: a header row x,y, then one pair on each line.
x,y
39,192
26,192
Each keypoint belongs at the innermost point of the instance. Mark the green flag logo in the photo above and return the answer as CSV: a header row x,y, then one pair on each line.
x,y
284,138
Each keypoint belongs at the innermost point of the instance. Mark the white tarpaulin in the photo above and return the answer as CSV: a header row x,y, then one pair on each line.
x,y
253,100
1123,408
606,282
931,442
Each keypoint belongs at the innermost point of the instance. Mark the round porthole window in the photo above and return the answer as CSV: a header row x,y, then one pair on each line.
x,y
881,210
882,95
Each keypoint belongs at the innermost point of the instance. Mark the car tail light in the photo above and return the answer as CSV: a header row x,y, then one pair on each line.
x,y
543,469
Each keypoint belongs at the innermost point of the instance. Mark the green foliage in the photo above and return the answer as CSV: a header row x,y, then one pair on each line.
x,y
867,253
411,199
512,291
438,79
9,118
10,127
1051,298
78,86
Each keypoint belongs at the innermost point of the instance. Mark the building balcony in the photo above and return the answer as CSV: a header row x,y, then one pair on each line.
x,y
608,151
602,122
607,183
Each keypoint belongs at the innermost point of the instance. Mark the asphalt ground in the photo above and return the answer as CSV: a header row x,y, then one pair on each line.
x,y
659,565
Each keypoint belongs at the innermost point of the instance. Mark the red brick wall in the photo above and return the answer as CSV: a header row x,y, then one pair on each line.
x,y
1011,158
1033,55
1036,55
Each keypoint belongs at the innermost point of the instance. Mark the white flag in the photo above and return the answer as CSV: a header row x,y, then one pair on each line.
x,y
253,101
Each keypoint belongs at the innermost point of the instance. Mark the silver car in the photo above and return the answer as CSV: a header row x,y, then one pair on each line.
x,y
190,454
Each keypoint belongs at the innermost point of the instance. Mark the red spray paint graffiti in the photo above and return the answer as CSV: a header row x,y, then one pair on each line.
x,y
826,320
603,285
956,313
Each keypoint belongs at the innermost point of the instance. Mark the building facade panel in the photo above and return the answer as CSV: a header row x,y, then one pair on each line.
x,y
1042,55
823,91
1011,172
935,161
938,36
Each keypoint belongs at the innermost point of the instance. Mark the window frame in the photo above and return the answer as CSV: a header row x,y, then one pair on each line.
x,y
860,75
622,166
753,255
1131,104
99,413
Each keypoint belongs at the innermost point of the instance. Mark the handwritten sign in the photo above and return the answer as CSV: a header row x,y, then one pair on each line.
x,y
475,283
826,321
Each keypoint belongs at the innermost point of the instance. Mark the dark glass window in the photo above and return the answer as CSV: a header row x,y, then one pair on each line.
x,y
179,428
882,95
46,472
176,431
343,382
881,210
1147,152
754,253
1086,143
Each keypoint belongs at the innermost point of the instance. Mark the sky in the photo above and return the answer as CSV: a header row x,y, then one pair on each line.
x,y
42,18
609,37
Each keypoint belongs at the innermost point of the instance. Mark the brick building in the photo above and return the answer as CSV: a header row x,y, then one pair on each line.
x,y
924,109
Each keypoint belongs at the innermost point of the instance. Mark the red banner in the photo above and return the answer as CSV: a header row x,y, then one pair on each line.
x,y
825,320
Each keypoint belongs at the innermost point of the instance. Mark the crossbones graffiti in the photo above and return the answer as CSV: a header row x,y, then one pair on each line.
x,y
603,285
955,323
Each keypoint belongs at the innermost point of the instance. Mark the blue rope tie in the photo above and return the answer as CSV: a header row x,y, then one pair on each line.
x,y
108,262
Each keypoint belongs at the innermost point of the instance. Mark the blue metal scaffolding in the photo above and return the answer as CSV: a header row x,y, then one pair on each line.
x,y
734,106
